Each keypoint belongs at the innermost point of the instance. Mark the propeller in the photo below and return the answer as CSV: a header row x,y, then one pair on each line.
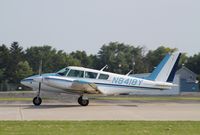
x,y
40,74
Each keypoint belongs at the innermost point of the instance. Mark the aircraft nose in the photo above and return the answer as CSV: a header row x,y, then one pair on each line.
x,y
26,81
23,82
38,79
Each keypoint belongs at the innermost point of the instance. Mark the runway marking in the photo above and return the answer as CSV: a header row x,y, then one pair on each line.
x,y
21,113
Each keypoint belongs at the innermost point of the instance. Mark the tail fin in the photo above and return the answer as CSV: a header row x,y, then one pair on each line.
x,y
166,70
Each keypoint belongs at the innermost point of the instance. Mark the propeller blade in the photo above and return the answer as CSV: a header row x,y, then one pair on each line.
x,y
40,68
40,73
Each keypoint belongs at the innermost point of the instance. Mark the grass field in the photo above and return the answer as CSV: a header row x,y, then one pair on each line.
x,y
150,98
99,127
15,99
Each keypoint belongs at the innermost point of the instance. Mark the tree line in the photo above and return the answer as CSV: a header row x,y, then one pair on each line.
x,y
17,63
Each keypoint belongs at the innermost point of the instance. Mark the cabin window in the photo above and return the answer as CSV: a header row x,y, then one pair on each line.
x,y
90,75
75,73
103,76
63,72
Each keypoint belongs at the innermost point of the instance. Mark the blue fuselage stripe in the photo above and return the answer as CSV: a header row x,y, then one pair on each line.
x,y
125,86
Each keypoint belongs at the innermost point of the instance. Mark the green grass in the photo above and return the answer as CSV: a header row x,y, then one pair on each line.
x,y
15,99
149,98
100,127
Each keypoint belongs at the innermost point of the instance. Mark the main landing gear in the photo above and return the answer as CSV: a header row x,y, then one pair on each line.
x,y
84,101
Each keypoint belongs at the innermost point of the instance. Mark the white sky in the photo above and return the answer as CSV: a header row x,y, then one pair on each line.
x,y
88,24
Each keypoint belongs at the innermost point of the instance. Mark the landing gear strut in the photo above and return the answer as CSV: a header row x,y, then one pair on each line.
x,y
83,101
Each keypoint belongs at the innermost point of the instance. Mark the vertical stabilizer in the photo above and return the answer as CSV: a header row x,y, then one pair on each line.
x,y
166,70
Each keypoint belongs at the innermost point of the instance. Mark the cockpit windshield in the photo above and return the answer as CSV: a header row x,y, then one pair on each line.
x,y
63,72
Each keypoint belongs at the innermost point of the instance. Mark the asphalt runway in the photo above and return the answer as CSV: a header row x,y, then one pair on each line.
x,y
101,110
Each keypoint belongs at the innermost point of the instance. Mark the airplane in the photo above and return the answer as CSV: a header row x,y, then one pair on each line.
x,y
80,80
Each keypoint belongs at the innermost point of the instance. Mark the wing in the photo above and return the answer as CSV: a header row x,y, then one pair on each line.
x,y
87,87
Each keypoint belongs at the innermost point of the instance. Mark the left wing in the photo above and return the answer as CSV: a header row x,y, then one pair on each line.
x,y
85,86
71,84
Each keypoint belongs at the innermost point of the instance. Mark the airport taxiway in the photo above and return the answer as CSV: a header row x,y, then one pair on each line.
x,y
101,110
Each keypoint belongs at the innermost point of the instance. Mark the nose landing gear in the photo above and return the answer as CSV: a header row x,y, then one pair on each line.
x,y
37,100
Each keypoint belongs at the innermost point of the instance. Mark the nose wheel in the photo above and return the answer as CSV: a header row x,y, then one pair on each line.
x,y
83,101
37,101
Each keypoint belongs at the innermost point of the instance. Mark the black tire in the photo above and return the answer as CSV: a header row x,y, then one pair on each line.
x,y
37,101
83,102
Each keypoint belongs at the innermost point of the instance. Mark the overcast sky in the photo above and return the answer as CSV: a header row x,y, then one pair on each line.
x,y
88,24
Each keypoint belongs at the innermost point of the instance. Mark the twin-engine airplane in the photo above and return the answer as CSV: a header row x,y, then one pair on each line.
x,y
82,80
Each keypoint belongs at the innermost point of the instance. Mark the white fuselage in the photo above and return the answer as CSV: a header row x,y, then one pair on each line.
x,y
113,84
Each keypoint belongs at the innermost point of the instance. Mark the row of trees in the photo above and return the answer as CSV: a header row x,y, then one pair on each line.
x,y
17,63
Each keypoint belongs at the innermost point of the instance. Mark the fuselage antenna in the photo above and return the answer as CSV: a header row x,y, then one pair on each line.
x,y
106,66
129,72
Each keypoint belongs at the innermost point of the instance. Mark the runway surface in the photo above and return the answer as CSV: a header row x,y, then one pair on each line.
x,y
101,110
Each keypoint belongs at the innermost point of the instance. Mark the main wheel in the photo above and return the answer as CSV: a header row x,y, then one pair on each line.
x,y
37,101
83,102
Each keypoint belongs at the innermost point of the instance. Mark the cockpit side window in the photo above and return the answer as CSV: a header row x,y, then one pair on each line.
x,y
63,72
75,73
103,76
90,75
